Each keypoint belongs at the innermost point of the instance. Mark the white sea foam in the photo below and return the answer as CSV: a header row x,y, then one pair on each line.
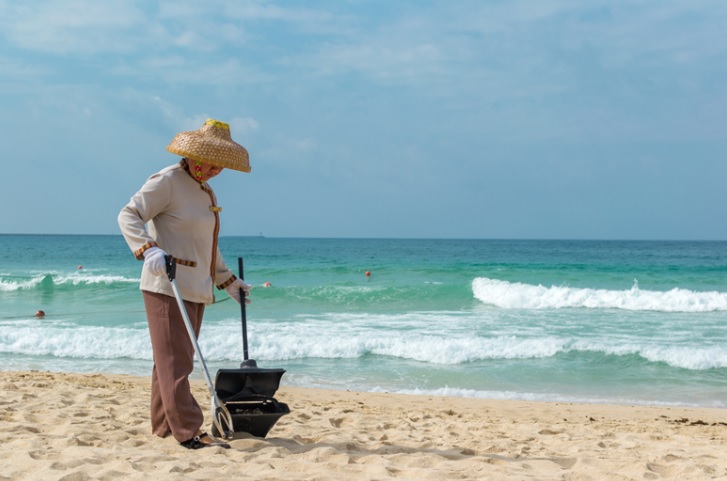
x,y
81,342
429,349
648,399
276,343
517,295
685,357
7,285
91,279
442,347
412,338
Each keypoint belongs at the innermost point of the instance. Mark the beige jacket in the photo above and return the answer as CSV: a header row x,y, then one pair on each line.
x,y
182,218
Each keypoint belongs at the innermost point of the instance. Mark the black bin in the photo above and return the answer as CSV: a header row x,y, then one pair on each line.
x,y
255,417
248,394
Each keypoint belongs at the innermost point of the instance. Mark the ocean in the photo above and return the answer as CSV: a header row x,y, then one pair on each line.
x,y
625,322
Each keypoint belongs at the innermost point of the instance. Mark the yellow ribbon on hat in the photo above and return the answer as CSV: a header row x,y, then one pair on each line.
x,y
217,123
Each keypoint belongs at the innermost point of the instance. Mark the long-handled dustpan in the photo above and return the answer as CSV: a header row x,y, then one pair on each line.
x,y
248,392
222,422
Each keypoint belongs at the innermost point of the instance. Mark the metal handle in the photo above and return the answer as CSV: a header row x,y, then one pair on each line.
x,y
221,417
243,311
171,267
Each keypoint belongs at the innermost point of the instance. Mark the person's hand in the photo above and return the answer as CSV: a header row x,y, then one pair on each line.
x,y
234,290
155,262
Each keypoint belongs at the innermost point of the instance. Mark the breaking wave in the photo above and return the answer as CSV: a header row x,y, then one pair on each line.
x,y
517,295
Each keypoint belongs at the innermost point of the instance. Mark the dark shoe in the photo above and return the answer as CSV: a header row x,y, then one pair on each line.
x,y
196,442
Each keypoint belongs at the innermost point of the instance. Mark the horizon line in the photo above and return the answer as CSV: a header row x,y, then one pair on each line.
x,y
260,236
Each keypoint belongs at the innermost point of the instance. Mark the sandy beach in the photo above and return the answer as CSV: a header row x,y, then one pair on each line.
x,y
75,427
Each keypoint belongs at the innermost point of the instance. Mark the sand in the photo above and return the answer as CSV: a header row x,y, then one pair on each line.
x,y
75,427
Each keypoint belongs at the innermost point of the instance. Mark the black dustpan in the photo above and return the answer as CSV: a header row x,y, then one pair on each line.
x,y
248,392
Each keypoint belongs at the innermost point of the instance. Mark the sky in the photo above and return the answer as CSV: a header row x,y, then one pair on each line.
x,y
548,119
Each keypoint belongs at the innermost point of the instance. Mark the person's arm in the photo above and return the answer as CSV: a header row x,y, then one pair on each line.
x,y
223,275
225,279
152,199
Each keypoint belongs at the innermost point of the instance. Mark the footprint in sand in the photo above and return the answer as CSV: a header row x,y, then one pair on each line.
x,y
44,455
85,440
76,476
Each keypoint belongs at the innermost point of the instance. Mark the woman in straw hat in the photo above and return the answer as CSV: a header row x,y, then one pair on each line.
x,y
182,219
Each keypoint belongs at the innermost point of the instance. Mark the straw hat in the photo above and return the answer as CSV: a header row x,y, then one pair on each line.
x,y
211,144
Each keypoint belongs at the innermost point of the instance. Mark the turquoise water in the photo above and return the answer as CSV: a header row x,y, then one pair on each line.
x,y
585,321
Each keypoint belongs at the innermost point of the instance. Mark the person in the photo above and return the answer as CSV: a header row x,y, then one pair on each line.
x,y
176,213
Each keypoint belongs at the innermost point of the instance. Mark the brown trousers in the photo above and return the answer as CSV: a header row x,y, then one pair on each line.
x,y
173,408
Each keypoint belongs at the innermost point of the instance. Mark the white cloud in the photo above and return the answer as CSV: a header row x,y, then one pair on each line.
x,y
72,27
19,69
268,10
229,72
382,59
244,125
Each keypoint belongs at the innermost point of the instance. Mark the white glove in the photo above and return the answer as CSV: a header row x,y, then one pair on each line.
x,y
234,290
155,262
